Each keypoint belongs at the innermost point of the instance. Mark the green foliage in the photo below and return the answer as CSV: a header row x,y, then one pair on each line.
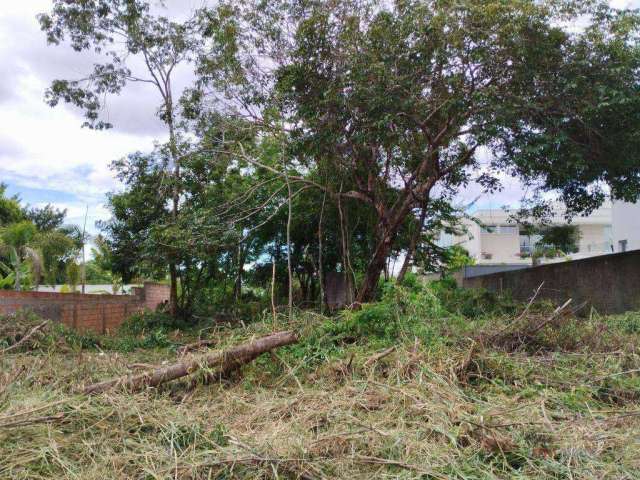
x,y
96,275
36,240
47,218
95,27
471,303
79,340
57,249
16,246
401,312
19,234
564,238
150,339
387,106
391,78
144,322
141,331
7,282
628,323
414,310
456,258
10,211
73,271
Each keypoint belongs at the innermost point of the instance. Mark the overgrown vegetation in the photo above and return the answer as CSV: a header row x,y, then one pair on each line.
x,y
334,137
331,138
37,247
430,382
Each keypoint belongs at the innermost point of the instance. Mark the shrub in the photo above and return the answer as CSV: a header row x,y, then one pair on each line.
x,y
402,311
471,303
144,322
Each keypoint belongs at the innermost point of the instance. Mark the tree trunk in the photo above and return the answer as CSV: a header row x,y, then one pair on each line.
x,y
273,288
320,265
173,148
17,268
390,223
374,268
289,269
237,289
413,243
345,253
221,362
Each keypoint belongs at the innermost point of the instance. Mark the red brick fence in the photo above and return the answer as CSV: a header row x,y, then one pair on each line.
x,y
100,313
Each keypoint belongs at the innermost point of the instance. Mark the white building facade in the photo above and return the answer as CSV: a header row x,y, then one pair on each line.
x,y
499,240
625,226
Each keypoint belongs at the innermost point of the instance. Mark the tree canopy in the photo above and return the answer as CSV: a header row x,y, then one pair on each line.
x,y
366,118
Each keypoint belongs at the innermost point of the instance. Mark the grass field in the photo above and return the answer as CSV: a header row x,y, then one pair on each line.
x,y
526,394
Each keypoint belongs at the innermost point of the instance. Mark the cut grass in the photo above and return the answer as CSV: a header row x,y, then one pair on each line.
x,y
439,406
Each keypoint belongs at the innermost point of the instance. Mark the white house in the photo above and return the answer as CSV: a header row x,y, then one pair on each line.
x,y
625,226
502,241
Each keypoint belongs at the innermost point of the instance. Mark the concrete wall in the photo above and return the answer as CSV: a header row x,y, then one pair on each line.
x,y
478,270
503,247
472,240
98,313
626,225
336,290
609,283
594,239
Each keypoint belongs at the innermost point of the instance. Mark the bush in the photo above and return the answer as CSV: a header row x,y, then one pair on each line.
x,y
402,311
146,330
417,309
471,303
144,322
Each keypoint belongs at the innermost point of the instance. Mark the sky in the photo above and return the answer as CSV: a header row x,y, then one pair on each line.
x,y
45,155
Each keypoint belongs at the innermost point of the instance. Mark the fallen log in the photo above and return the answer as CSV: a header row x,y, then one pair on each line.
x,y
222,362
196,346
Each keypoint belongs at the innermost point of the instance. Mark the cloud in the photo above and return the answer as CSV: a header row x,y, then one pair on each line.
x,y
30,65
43,151
9,148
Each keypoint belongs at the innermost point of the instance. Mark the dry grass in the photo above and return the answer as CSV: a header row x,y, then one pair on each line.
x,y
450,409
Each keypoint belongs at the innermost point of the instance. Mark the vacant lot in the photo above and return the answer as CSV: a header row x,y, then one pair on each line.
x,y
527,394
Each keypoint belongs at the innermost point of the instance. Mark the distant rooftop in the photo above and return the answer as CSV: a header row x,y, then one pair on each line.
x,y
601,216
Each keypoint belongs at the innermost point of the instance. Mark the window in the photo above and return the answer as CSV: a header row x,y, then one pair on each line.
x,y
502,229
509,229
622,246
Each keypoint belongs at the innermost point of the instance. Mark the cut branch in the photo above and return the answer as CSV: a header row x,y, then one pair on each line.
x,y
24,339
222,362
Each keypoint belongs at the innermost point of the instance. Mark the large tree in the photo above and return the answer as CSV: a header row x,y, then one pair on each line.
x,y
400,98
134,45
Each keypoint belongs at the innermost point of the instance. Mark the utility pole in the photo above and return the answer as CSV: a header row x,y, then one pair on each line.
x,y
84,269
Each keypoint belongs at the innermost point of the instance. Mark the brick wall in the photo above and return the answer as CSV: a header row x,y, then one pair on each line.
x,y
99,313
609,283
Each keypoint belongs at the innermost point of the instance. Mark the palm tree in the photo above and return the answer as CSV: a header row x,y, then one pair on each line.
x,y
16,244
56,248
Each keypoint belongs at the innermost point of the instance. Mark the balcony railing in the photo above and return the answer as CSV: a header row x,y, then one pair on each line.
x,y
594,248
